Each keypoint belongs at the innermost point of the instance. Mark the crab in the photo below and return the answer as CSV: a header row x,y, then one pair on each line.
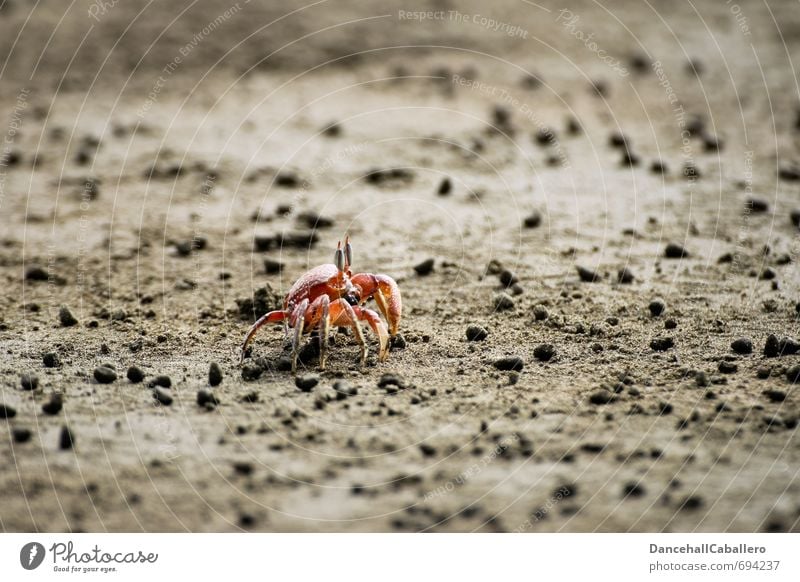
x,y
330,295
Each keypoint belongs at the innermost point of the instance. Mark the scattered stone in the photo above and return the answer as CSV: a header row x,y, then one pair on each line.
x,y
313,220
51,360
763,372
789,172
36,274
767,274
601,397
544,352
775,395
503,302
675,251
427,449
272,267
701,379
445,187
214,374
7,411
206,398
692,503
163,381
66,440
251,372
162,396
670,324
391,380
533,220
135,375
509,363
29,382
793,374
424,268
742,346
22,435
633,489
662,344
508,278
398,342
587,275
772,346
104,374
66,317
658,167
624,276
727,367
476,333
794,216
306,382
656,307
756,205
54,405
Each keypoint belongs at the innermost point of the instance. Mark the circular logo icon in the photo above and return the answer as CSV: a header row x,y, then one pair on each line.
x,y
31,555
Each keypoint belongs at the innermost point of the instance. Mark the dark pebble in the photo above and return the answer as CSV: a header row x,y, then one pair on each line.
x,y
662,344
66,440
727,367
503,302
540,313
36,274
756,205
424,268
624,276
135,375
389,380
252,372
206,398
7,411
104,375
66,317
617,140
508,278
427,449
675,251
768,274
509,363
51,360
670,324
54,405
306,382
272,267
656,307
29,382
775,395
476,333
587,275
789,172
772,346
22,435
793,375
794,216
313,220
163,381
398,342
658,167
533,220
692,503
163,396
601,397
214,374
787,346
544,352
633,489
445,187
742,345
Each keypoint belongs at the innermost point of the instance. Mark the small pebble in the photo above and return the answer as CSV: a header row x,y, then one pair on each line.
x,y
66,440
793,375
214,374
476,333
51,360
601,397
756,205
66,317
540,313
104,375
670,324
662,344
503,302
544,352
163,396
656,307
424,268
675,251
306,382
427,449
7,411
624,276
29,382
22,435
206,398
533,220
775,395
727,367
587,275
251,372
742,346
135,375
272,267
508,278
633,489
54,405
445,187
389,380
509,363
163,381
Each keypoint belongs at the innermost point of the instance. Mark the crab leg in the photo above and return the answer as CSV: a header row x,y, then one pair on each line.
x,y
319,313
271,317
341,314
386,293
298,321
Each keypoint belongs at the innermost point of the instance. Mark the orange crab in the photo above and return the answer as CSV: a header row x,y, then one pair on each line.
x,y
331,295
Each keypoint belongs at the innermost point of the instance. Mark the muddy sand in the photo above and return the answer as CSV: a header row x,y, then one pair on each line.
x,y
593,236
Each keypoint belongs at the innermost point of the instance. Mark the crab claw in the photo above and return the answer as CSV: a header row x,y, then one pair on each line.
x,y
386,293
